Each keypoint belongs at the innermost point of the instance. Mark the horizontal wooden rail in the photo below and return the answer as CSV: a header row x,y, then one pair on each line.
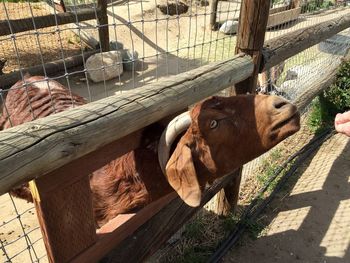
x,y
8,27
279,49
132,238
51,68
312,89
36,148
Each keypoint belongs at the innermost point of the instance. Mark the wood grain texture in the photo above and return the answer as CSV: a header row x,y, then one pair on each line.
x,y
36,148
66,218
8,27
121,228
227,198
279,49
213,15
51,69
278,9
282,17
250,38
151,235
315,88
103,30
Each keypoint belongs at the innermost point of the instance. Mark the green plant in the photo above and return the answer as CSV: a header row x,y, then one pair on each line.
x,y
268,168
315,5
338,95
230,222
194,229
332,101
255,228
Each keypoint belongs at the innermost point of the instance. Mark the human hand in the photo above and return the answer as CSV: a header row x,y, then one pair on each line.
x,y
342,123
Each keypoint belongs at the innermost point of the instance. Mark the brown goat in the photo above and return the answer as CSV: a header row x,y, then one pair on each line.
x,y
218,135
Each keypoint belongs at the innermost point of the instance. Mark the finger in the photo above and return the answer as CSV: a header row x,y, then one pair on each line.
x,y
342,118
343,128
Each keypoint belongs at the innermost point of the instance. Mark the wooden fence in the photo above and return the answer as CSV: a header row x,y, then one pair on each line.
x,y
13,26
61,150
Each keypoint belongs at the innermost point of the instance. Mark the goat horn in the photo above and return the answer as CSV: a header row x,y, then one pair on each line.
x,y
179,124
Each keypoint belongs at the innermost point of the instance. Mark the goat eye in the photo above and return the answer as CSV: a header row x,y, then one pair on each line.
x,y
213,124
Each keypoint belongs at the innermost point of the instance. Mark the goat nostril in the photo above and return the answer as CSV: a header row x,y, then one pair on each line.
x,y
279,104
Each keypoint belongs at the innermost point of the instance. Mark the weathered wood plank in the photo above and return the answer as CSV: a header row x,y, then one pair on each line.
x,y
213,14
65,216
250,38
32,149
279,49
279,18
151,235
51,68
278,9
316,87
103,30
13,26
121,228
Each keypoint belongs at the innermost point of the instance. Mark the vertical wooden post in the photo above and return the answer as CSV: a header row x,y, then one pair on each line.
x,y
294,4
103,31
250,40
213,15
65,215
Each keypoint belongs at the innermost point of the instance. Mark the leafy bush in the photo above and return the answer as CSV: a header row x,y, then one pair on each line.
x,y
315,5
332,101
338,95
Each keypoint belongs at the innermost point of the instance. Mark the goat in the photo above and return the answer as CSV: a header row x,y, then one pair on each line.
x,y
218,135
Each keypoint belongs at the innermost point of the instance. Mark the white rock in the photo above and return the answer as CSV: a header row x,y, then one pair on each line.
x,y
229,27
297,71
289,88
104,66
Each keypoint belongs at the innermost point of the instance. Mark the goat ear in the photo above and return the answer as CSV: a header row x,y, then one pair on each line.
x,y
182,175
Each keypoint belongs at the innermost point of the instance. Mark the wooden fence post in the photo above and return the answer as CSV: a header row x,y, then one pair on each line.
x,y
103,31
65,215
253,19
213,15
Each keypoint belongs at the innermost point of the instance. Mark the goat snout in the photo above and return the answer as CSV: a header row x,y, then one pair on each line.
x,y
280,106
279,103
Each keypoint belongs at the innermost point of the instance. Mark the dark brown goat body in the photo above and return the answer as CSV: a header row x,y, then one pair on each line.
x,y
221,134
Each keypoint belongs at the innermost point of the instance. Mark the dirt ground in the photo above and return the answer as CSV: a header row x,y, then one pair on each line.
x,y
309,223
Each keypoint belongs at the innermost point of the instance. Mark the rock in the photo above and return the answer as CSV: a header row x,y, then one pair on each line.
x,y
172,7
296,71
115,45
289,88
111,61
130,60
202,2
229,27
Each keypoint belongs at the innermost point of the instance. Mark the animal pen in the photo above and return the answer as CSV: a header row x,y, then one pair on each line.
x,y
173,54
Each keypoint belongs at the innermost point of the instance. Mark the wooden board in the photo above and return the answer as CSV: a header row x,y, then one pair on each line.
x,y
119,229
65,216
36,148
8,27
159,228
283,17
279,49
51,69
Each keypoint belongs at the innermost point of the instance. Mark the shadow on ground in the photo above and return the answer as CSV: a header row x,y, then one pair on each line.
x,y
309,220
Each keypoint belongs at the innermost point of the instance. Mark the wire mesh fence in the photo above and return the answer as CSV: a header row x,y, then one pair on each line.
x,y
153,39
